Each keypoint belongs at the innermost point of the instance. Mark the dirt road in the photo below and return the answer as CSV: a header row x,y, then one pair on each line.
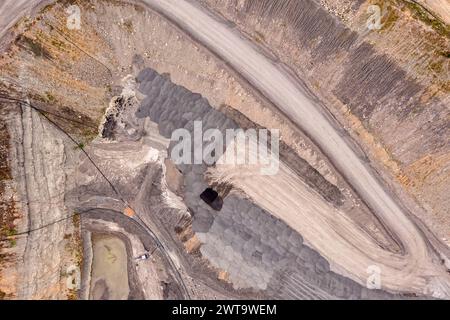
x,y
414,269
12,10
287,95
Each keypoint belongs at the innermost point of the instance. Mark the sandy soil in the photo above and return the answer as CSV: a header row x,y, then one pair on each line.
x,y
289,97
403,272
439,7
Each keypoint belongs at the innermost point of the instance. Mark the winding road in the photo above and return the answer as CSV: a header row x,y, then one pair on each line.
x,y
416,268
283,91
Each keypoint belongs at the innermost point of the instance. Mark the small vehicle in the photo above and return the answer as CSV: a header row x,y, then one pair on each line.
x,y
144,256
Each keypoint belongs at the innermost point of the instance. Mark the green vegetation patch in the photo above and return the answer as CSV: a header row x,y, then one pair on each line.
x,y
8,232
49,97
259,37
423,15
8,212
390,18
128,25
33,46
436,66
445,54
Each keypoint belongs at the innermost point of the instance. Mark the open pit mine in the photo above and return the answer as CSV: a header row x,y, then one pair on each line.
x,y
239,149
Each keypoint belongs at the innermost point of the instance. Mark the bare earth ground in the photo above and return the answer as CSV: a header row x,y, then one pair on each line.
x,y
99,61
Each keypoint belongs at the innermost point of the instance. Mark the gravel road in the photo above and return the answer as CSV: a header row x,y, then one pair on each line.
x,y
414,269
405,271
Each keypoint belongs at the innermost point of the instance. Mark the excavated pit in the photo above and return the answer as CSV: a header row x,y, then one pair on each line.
x,y
217,241
254,248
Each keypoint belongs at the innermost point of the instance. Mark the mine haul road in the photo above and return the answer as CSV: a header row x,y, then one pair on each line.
x,y
413,269
416,268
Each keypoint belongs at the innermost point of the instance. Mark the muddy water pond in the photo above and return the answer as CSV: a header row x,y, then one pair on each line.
x,y
109,274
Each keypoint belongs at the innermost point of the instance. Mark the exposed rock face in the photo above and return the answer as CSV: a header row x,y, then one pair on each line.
x,y
254,248
39,169
9,212
71,76
389,87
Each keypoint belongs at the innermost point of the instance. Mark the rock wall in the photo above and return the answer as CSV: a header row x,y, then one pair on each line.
x,y
253,247
389,87
71,75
